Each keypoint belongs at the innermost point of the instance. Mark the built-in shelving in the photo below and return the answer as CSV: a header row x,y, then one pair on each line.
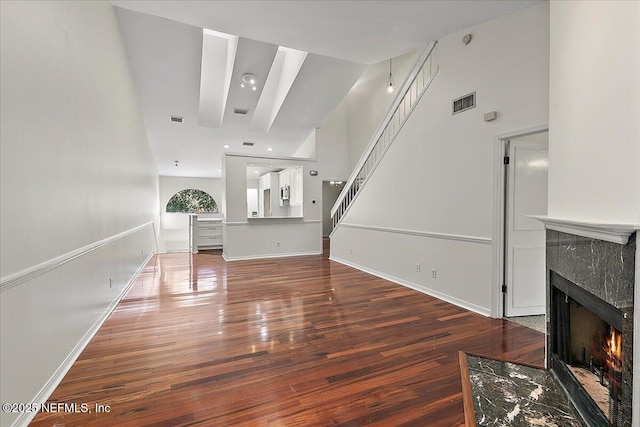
x,y
204,233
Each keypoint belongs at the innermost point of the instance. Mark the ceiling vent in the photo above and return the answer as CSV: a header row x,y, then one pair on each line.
x,y
464,103
248,144
176,119
240,111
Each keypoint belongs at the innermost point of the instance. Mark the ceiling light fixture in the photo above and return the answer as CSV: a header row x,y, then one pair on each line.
x,y
248,80
226,145
390,87
269,149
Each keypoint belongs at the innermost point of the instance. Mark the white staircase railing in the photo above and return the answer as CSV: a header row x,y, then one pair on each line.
x,y
408,96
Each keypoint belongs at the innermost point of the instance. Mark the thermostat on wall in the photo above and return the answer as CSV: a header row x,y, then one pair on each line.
x,y
490,116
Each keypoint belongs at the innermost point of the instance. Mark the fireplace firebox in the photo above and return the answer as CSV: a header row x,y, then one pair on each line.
x,y
586,351
590,311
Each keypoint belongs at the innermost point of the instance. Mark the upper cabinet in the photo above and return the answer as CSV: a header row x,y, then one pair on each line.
x,y
291,186
265,182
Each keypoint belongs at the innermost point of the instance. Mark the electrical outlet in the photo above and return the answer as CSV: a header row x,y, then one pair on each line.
x,y
418,268
278,244
110,282
434,273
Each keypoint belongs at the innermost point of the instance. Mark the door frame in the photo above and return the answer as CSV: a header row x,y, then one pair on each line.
x,y
499,206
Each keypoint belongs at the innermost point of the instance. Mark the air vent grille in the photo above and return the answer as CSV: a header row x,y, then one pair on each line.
x,y
248,144
464,103
240,111
176,119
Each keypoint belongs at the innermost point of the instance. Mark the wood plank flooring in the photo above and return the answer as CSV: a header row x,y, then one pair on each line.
x,y
298,341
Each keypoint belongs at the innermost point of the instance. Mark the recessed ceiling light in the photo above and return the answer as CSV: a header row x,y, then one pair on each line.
x,y
269,149
226,145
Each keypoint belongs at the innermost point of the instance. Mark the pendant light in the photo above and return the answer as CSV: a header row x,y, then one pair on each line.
x,y
390,87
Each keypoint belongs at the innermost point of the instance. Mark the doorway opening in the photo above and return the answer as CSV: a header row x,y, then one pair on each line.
x,y
330,192
519,240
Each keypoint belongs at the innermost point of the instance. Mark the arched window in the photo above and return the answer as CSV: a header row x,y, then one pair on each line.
x,y
192,201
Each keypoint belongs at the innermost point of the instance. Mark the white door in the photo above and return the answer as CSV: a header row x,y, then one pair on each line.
x,y
525,237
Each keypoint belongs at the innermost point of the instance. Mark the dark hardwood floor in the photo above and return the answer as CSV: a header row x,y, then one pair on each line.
x,y
295,341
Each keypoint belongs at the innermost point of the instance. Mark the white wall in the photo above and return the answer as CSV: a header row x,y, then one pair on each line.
x,y
594,131
79,187
332,140
258,238
308,148
594,148
331,148
430,200
368,102
174,227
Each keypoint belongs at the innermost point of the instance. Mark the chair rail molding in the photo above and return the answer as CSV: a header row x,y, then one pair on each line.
x,y
27,274
446,236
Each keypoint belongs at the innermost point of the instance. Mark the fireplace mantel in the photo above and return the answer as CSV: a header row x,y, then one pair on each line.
x,y
615,233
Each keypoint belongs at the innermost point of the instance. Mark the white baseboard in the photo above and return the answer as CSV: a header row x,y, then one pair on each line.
x,y
47,390
249,257
436,294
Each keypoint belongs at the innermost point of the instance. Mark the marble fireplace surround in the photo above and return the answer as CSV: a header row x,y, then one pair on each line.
x,y
600,259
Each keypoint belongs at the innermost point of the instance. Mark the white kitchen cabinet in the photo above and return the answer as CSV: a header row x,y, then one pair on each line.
x,y
264,182
284,180
292,177
296,178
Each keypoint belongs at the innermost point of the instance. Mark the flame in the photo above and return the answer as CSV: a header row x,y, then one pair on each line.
x,y
613,348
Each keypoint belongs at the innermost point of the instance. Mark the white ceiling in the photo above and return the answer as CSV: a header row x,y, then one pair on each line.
x,y
164,44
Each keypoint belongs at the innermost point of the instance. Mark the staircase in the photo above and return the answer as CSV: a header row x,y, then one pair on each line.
x,y
414,86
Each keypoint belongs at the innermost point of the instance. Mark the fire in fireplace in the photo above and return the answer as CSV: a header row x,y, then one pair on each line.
x,y
613,350
586,351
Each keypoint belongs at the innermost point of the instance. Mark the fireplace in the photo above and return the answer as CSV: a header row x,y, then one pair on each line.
x,y
586,351
590,288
